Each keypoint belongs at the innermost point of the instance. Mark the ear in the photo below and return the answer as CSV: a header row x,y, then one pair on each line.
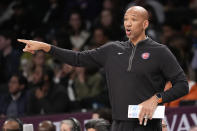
x,y
145,24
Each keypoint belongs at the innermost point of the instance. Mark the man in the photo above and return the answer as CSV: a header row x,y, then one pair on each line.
x,y
136,71
46,126
70,124
97,125
13,104
9,57
12,124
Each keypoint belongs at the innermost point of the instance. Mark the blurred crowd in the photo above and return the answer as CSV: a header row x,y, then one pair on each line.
x,y
70,124
40,84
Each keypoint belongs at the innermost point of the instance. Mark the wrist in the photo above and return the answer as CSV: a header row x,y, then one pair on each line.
x,y
45,47
159,98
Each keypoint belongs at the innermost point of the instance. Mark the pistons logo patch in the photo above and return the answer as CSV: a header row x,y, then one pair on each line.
x,y
145,55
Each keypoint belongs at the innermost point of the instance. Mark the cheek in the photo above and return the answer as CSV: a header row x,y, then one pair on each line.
x,y
138,27
125,23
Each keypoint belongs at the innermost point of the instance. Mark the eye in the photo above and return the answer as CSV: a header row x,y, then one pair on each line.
x,y
125,19
134,19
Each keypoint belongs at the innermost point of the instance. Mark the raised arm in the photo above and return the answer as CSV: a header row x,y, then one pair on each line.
x,y
95,57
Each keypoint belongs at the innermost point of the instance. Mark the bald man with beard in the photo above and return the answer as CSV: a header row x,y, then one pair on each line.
x,y
136,71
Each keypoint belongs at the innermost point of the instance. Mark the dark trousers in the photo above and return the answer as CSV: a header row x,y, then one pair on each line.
x,y
152,125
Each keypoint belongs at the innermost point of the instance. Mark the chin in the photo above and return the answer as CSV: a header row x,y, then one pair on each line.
x,y
130,37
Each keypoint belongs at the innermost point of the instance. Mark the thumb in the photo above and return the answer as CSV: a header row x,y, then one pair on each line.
x,y
30,51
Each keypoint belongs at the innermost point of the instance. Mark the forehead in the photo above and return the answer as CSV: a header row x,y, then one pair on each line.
x,y
132,12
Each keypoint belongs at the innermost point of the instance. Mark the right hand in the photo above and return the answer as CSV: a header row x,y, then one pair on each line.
x,y
32,46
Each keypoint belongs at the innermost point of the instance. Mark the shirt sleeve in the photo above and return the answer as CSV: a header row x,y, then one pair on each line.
x,y
172,72
95,57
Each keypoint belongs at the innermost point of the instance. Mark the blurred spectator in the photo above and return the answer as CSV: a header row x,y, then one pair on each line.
x,y
99,38
97,125
77,31
9,57
53,14
88,8
46,97
14,103
108,4
38,61
104,113
20,22
13,124
46,126
89,85
110,25
37,77
71,124
65,76
6,13
30,63
168,30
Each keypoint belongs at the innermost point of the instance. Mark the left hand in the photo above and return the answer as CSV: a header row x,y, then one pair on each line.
x,y
147,109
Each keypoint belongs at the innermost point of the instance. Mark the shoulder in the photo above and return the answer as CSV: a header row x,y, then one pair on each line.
x,y
158,46
117,43
112,45
155,44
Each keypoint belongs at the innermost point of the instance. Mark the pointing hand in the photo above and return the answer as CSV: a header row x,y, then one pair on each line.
x,y
32,46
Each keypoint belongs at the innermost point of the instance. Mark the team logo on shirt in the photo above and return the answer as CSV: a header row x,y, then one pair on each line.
x,y
145,55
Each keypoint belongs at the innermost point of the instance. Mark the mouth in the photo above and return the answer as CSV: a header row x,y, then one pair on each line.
x,y
128,32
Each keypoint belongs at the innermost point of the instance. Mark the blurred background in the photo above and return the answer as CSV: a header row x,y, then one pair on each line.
x,y
41,85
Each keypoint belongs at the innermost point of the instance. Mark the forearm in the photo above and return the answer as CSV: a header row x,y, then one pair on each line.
x,y
179,89
88,58
45,47
64,55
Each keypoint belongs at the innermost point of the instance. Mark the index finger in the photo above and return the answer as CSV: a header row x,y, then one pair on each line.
x,y
23,41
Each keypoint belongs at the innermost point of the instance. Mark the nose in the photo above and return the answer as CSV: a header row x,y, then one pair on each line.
x,y
128,24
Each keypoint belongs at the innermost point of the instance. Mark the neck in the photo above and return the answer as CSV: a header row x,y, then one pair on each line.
x,y
15,96
136,40
7,50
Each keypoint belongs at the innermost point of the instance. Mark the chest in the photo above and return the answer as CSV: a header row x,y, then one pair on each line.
x,y
139,60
